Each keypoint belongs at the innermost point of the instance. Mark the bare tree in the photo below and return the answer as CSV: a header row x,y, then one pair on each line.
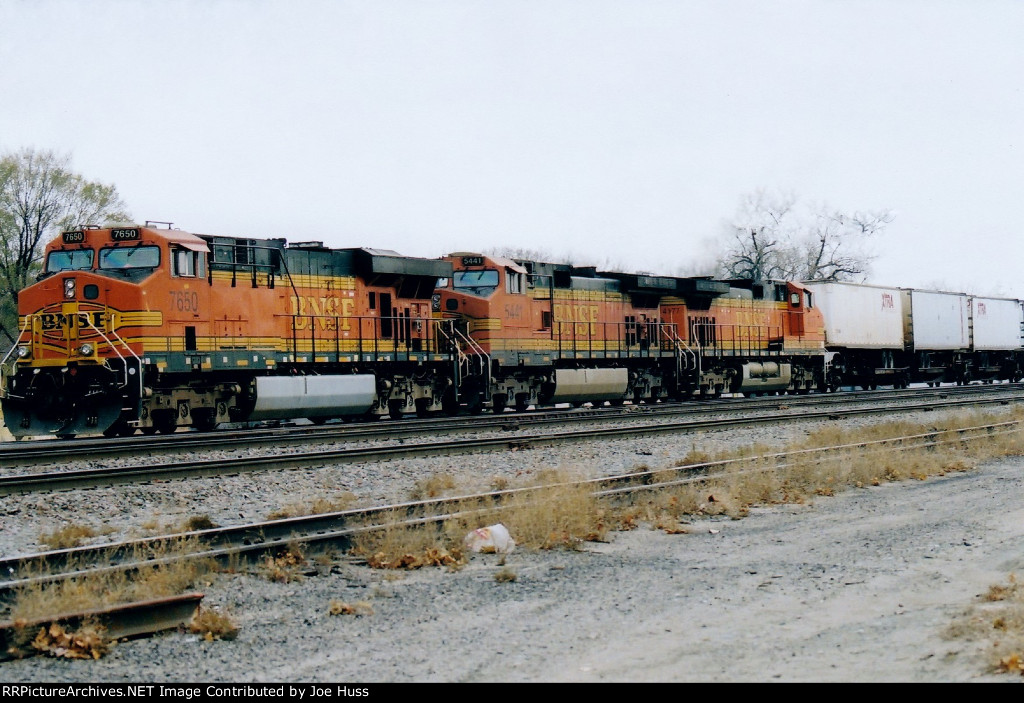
x,y
39,196
755,236
772,238
834,248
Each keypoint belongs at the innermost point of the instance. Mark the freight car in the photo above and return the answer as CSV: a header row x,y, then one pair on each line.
x,y
155,328
897,336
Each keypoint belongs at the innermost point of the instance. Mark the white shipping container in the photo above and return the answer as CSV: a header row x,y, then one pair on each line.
x,y
996,323
859,316
936,321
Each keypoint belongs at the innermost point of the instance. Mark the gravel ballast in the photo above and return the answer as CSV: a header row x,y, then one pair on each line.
x,y
856,587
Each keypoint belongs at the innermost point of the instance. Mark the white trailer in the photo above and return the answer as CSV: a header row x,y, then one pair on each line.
x,y
996,324
859,316
936,321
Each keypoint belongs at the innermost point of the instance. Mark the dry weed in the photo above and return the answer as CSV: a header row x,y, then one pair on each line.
x,y
198,522
213,625
359,608
89,641
432,487
505,575
284,567
170,571
68,536
997,622
340,502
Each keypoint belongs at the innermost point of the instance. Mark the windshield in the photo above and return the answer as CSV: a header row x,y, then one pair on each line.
x,y
130,257
481,283
73,260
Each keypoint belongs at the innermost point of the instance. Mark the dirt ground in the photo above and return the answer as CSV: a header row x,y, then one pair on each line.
x,y
857,587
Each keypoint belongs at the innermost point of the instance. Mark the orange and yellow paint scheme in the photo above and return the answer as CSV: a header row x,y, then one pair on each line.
x,y
140,327
554,332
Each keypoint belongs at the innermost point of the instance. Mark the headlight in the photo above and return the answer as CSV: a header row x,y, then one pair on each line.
x,y
69,288
24,352
85,349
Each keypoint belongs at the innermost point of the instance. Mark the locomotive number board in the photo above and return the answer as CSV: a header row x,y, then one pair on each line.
x,y
124,235
73,237
472,261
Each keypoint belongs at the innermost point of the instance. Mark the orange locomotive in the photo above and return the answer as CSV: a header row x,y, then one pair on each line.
x,y
548,333
152,328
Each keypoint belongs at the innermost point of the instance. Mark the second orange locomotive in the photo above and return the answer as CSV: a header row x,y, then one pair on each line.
x,y
550,333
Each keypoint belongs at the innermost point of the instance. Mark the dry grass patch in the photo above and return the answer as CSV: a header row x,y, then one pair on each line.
x,y
559,513
198,522
505,575
997,623
213,624
432,487
98,590
68,536
359,608
336,504
89,641
286,566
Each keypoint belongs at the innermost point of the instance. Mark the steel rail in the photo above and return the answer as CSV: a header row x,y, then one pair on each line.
x,y
118,621
338,528
88,478
49,451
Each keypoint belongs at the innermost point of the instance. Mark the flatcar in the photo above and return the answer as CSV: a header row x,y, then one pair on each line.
x,y
878,335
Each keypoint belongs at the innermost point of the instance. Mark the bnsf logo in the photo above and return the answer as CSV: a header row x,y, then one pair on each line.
x,y
56,321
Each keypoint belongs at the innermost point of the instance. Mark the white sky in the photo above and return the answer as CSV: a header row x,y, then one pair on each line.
x,y
618,131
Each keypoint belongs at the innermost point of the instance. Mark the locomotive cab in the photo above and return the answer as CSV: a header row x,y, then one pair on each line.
x,y
78,365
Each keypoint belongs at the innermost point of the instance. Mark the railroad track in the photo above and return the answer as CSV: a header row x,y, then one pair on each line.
x,y
784,411
337,530
96,448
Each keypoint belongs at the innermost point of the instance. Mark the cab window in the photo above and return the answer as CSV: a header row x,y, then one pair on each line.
x,y
73,260
115,258
480,283
186,263
514,282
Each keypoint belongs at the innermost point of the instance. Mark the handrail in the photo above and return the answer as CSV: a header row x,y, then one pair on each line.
x,y
113,348
485,358
14,347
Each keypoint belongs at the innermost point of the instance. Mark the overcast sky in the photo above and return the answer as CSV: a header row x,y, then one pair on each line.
x,y
614,131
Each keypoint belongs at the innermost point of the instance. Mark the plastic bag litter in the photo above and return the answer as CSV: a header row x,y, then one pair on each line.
x,y
492,539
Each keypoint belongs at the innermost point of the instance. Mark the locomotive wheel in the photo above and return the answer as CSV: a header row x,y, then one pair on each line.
x,y
449,405
422,407
475,406
522,402
204,420
498,402
165,422
395,409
